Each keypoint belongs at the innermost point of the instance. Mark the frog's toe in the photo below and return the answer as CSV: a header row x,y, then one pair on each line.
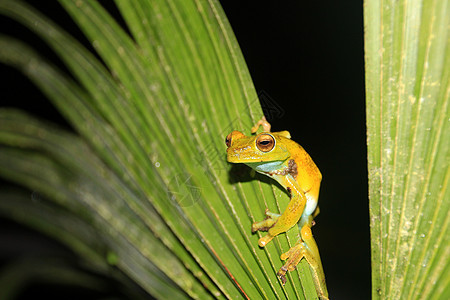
x,y
262,226
268,222
271,215
282,275
293,256
265,240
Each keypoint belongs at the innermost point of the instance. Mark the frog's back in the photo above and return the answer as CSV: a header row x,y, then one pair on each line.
x,y
308,174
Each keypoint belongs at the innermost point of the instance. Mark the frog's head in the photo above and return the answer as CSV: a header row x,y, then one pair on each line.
x,y
262,148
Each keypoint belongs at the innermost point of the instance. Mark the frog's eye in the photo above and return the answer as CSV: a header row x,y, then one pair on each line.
x,y
265,142
228,140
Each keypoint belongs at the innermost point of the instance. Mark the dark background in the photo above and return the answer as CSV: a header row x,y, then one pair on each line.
x,y
308,59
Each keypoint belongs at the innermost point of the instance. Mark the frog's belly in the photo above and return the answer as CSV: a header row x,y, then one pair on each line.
x,y
311,205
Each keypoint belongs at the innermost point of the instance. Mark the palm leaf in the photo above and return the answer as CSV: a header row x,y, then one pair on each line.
x,y
407,84
144,185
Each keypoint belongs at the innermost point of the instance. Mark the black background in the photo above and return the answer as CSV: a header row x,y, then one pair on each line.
x,y
308,58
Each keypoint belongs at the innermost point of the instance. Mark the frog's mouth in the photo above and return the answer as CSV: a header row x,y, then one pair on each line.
x,y
238,155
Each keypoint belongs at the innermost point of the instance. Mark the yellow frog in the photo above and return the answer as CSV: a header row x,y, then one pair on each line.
x,y
274,154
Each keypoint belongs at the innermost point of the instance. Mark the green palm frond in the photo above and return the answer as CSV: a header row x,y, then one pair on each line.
x,y
407,84
144,184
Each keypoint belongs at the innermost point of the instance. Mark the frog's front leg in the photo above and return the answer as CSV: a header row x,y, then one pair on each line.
x,y
276,224
305,248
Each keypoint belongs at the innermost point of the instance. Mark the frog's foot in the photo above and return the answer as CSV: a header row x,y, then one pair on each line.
x,y
306,248
269,221
293,256
263,122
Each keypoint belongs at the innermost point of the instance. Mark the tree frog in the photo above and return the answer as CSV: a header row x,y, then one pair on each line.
x,y
274,154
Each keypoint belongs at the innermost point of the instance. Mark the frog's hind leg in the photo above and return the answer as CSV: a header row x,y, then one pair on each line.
x,y
305,248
